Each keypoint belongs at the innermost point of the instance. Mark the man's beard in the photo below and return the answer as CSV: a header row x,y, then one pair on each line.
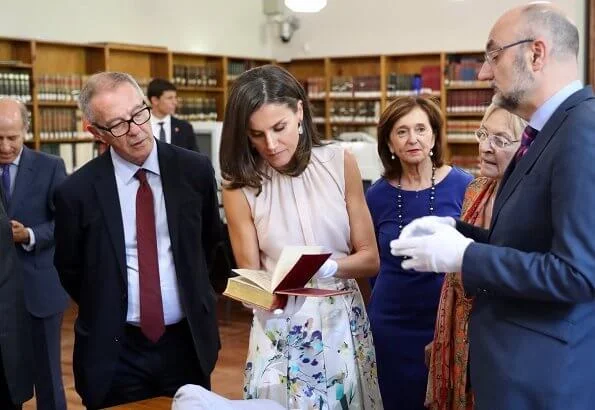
x,y
511,100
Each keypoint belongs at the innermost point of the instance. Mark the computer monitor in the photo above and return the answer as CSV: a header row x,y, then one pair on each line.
x,y
208,140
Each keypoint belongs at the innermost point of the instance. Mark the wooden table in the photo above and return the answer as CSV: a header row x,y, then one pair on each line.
x,y
157,403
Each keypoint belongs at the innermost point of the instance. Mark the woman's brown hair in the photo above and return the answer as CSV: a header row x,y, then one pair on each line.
x,y
397,109
241,165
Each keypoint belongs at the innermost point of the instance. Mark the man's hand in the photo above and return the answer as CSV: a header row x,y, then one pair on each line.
x,y
426,225
440,251
20,234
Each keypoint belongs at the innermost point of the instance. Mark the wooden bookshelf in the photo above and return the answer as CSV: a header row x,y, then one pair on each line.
x,y
464,101
60,70
200,80
16,53
403,74
373,80
312,74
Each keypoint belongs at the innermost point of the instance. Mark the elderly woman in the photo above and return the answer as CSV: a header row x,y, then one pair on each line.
x,y
499,138
415,183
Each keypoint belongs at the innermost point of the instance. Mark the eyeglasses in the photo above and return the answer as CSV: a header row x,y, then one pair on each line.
x,y
490,56
496,141
122,128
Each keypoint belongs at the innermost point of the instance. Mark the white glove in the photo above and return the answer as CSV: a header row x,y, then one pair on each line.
x,y
327,270
426,225
440,251
294,304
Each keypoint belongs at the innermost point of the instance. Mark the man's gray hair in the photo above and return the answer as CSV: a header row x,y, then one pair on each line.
x,y
542,19
99,83
23,111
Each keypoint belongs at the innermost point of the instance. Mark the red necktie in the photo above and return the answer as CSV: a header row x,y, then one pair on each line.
x,y
151,306
529,134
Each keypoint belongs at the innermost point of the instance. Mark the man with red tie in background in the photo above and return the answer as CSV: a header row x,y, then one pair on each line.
x,y
138,247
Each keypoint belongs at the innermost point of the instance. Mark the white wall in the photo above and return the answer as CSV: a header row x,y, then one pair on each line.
x,y
359,27
231,27
238,27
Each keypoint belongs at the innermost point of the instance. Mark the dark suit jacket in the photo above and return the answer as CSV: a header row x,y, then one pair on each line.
x,y
15,332
32,204
91,262
532,328
182,134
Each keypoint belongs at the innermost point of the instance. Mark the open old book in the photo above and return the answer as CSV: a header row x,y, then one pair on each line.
x,y
295,267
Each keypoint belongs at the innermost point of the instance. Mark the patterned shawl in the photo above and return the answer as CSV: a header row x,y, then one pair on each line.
x,y
447,379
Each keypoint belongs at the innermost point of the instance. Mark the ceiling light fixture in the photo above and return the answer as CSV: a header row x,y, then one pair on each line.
x,y
305,6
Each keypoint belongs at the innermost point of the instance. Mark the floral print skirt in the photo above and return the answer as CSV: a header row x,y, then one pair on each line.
x,y
322,357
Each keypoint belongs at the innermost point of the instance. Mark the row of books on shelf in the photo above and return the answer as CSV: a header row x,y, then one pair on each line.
x,y
236,68
355,111
60,87
197,109
469,163
462,130
427,80
356,86
58,123
75,155
468,83
15,85
315,87
195,75
468,101
464,70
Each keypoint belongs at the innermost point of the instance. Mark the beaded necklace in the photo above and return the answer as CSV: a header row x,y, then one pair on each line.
x,y
400,199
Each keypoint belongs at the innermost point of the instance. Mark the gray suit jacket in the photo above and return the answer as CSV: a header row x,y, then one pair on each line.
x,y
15,340
32,204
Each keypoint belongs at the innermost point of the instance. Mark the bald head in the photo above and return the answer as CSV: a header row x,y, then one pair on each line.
x,y
14,111
14,121
543,20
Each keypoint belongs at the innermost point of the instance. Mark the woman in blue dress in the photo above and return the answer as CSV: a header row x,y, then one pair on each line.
x,y
415,183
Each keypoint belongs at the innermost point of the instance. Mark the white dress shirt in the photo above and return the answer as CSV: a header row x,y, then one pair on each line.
x,y
127,187
166,126
13,169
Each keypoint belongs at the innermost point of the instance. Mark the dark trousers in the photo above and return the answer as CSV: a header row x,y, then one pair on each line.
x,y
5,400
147,369
49,390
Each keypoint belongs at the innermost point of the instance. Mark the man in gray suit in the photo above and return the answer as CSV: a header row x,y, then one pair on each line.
x,y
29,179
16,379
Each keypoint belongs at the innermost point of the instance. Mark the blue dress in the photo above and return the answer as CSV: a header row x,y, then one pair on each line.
x,y
403,304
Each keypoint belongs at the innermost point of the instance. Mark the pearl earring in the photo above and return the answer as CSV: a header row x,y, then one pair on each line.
x,y
300,129
392,156
431,153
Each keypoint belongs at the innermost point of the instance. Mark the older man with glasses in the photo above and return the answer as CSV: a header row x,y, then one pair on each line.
x,y
139,248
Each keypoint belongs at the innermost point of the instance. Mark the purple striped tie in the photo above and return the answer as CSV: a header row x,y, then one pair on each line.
x,y
529,134
6,180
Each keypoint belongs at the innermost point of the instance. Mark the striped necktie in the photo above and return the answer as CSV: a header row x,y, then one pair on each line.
x,y
6,181
529,134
